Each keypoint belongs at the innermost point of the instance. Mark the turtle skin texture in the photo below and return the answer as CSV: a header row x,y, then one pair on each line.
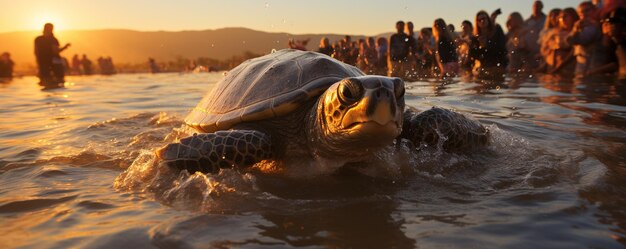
x,y
316,107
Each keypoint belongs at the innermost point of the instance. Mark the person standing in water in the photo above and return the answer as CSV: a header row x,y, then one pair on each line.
x,y
488,47
87,65
6,66
398,51
49,61
533,26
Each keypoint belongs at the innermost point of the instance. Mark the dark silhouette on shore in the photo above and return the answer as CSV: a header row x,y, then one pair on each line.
x,y
76,65
6,66
87,65
154,67
49,61
106,65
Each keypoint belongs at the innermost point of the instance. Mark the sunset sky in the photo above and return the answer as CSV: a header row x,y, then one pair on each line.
x,y
298,17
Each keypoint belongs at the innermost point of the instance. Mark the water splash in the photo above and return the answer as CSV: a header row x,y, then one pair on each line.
x,y
183,190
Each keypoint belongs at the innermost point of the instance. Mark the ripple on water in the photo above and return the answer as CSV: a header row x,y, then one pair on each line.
x,y
25,206
548,178
95,205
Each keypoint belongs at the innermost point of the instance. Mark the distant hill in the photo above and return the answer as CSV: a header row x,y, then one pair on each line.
x,y
128,46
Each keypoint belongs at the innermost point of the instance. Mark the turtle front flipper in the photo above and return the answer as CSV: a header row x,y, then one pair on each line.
x,y
210,152
459,132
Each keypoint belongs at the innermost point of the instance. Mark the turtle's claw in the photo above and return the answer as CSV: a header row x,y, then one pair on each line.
x,y
168,152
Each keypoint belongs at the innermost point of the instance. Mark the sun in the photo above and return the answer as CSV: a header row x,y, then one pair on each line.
x,y
41,19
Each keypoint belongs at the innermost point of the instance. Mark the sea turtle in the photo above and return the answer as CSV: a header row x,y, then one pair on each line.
x,y
306,104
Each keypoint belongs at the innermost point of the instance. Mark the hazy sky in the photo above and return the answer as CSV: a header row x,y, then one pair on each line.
x,y
293,16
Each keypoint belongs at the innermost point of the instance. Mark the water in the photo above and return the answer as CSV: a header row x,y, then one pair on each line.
x,y
77,170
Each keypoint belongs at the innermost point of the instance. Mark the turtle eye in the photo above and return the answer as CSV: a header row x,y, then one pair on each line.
x,y
398,88
350,91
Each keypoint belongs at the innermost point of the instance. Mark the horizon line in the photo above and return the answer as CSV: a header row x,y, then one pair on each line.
x,y
188,30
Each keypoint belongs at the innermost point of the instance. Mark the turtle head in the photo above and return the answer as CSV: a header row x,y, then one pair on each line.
x,y
358,114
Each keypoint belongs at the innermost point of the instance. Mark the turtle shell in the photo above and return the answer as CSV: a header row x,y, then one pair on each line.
x,y
266,87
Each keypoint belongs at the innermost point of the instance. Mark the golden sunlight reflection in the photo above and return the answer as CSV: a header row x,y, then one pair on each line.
x,y
40,19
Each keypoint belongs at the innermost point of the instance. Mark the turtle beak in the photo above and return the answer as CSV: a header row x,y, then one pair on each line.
x,y
378,106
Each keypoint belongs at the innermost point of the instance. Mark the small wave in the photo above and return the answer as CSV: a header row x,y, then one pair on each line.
x,y
508,162
181,189
53,173
33,204
94,205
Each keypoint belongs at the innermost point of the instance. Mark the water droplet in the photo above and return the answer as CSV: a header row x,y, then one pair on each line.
x,y
498,64
406,39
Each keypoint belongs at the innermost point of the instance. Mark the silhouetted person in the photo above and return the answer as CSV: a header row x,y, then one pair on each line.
x,y
6,66
154,68
349,51
76,65
521,57
534,24
87,65
101,64
488,46
109,67
66,65
49,61
562,51
325,47
446,58
398,51
411,65
586,37
463,44
382,48
298,44
616,31
546,41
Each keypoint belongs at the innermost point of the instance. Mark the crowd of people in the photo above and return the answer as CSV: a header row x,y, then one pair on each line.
x,y
52,67
84,66
588,40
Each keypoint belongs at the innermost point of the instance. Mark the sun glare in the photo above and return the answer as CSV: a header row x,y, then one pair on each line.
x,y
42,19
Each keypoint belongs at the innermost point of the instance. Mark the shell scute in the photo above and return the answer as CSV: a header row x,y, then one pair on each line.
x,y
265,87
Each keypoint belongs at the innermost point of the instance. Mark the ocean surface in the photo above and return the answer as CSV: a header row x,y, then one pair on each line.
x,y
77,170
